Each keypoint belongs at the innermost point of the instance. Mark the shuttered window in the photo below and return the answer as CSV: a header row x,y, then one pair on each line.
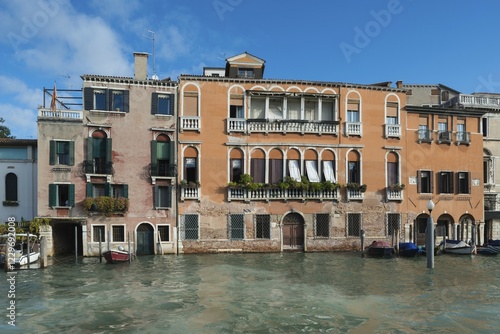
x,y
105,99
162,104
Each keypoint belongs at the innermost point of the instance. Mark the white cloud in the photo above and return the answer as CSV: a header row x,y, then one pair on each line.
x,y
20,121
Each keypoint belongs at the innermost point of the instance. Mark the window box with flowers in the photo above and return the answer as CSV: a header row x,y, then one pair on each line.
x,y
10,203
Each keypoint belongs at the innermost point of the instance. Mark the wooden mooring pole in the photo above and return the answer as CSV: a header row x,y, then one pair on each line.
x,y
28,250
129,253
100,246
43,252
362,243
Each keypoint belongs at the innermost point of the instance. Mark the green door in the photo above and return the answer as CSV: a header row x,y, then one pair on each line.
x,y
145,240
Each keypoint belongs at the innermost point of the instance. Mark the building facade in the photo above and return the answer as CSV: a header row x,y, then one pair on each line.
x,y
108,170
18,172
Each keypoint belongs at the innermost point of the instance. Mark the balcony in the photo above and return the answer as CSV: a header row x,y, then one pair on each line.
x,y
190,192
394,194
353,129
190,123
98,166
277,194
462,138
280,126
355,194
392,131
162,169
60,115
424,136
444,137
478,101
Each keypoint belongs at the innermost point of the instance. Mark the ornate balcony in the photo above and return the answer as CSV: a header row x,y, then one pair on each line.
x,y
355,194
190,123
98,166
424,136
189,192
394,194
392,131
462,138
353,129
276,194
63,115
280,126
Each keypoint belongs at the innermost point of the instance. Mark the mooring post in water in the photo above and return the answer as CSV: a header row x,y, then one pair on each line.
x,y
473,236
28,251
396,242
100,246
43,253
109,238
429,236
76,243
362,243
8,257
129,254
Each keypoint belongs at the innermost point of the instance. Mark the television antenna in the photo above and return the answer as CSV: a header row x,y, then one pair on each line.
x,y
152,38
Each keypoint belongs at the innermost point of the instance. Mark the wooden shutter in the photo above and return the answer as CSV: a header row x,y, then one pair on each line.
x,y
109,151
108,189
89,189
190,104
169,198
52,152
52,194
126,103
71,195
156,196
171,152
88,98
154,103
172,104
154,157
125,191
71,153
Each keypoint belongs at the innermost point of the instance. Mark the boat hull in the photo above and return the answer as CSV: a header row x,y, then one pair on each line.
x,y
23,259
114,256
408,249
380,249
487,250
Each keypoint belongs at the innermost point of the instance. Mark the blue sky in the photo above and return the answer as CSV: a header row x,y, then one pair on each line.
x,y
418,41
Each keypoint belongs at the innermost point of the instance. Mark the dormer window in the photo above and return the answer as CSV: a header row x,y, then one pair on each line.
x,y
246,73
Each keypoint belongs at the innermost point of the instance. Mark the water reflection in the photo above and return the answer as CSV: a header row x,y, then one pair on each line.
x,y
260,293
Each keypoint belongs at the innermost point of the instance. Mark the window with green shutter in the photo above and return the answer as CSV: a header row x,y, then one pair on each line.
x,y
62,152
162,197
61,195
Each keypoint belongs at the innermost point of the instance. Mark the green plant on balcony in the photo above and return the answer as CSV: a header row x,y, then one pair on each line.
x,y
396,187
316,186
330,186
38,223
356,186
106,205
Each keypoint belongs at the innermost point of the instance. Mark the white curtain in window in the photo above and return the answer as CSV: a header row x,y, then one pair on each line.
x,y
293,166
328,171
312,171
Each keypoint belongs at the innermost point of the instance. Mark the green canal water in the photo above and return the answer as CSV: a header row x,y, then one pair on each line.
x,y
257,293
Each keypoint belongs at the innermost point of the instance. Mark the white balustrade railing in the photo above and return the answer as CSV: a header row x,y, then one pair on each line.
x,y
190,123
354,194
479,100
190,193
394,194
392,130
60,114
353,129
283,126
270,194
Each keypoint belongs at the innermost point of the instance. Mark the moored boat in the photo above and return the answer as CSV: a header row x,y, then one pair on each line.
x,y
26,249
458,247
408,249
495,244
486,250
116,255
380,249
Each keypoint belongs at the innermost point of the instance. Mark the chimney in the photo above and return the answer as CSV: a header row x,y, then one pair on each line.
x,y
140,65
399,84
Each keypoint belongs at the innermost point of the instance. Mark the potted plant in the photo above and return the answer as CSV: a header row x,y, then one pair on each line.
x,y
396,186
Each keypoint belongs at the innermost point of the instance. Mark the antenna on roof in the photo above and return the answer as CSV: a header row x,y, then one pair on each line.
x,y
223,54
154,77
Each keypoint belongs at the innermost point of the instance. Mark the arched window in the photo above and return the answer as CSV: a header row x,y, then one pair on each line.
x,y
11,187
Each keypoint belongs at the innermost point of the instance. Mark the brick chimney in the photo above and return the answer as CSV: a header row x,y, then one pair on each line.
x,y
140,65
399,84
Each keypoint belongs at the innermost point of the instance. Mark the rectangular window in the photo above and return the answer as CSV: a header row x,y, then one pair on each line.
x,y
236,226
162,196
353,224
322,225
62,153
392,113
99,99
392,173
98,190
190,171
61,195
294,170
257,108
463,182
293,107
445,182
163,104
424,182
311,109
275,108
354,172
262,226
118,233
393,224
191,226
353,111
246,73
258,170
328,171
327,110
164,232
236,112
312,171
484,126
190,104
117,100
275,171
236,169
98,231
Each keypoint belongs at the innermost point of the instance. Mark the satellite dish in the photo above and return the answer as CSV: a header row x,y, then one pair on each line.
x,y
154,77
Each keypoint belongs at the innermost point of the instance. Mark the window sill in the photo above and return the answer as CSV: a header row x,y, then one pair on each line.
x,y
95,111
10,203
163,115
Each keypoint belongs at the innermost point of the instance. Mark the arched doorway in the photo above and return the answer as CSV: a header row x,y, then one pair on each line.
x,y
145,239
293,232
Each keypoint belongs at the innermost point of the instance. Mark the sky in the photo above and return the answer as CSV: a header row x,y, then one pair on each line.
x,y
47,42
